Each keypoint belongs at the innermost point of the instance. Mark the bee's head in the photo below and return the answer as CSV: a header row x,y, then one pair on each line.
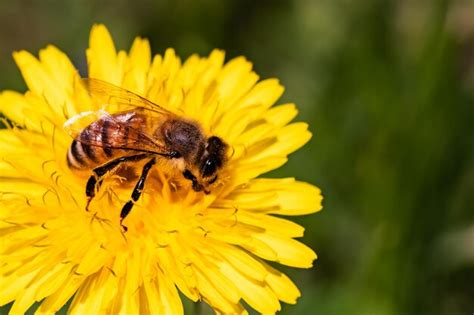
x,y
212,159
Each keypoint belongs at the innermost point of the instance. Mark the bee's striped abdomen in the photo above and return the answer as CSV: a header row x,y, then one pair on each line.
x,y
102,140
105,138
75,156
83,155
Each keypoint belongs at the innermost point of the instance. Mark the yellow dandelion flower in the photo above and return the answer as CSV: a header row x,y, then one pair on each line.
x,y
211,247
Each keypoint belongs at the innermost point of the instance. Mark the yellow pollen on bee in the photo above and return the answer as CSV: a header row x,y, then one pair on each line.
x,y
178,164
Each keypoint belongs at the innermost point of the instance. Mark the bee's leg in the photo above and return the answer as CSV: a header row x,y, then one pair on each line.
x,y
91,187
197,187
137,192
95,180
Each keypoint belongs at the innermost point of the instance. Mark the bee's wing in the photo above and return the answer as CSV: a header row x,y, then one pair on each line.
x,y
107,94
90,128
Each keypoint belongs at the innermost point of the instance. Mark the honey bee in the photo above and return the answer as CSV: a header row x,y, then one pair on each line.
x,y
140,131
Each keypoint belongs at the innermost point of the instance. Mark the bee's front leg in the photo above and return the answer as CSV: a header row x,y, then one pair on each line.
x,y
197,187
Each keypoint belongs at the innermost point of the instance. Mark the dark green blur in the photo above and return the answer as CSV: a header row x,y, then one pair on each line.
x,y
388,90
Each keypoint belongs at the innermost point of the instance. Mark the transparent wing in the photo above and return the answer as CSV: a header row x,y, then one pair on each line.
x,y
107,94
112,132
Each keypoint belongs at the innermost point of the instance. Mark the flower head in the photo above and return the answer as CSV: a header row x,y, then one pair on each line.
x,y
210,247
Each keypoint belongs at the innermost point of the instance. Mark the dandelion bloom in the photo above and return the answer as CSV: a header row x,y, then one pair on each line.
x,y
211,247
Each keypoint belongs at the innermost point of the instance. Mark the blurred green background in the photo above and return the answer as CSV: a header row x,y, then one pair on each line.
x,y
388,90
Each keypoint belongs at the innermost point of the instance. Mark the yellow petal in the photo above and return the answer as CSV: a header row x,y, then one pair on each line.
x,y
288,139
261,249
214,296
170,297
244,263
289,251
224,285
43,84
274,225
7,170
256,294
161,296
298,198
250,170
188,288
235,79
30,293
283,287
206,268
102,56
238,120
95,294
151,296
209,68
11,286
55,301
138,65
58,67
94,258
250,135
14,106
281,115
19,187
53,281
265,93
278,196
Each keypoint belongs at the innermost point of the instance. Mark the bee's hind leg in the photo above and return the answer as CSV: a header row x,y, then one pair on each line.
x,y
137,192
95,180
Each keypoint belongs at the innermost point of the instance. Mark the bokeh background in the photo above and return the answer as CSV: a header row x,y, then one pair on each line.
x,y
388,90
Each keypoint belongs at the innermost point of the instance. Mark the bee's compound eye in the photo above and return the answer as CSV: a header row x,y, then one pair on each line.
x,y
209,167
